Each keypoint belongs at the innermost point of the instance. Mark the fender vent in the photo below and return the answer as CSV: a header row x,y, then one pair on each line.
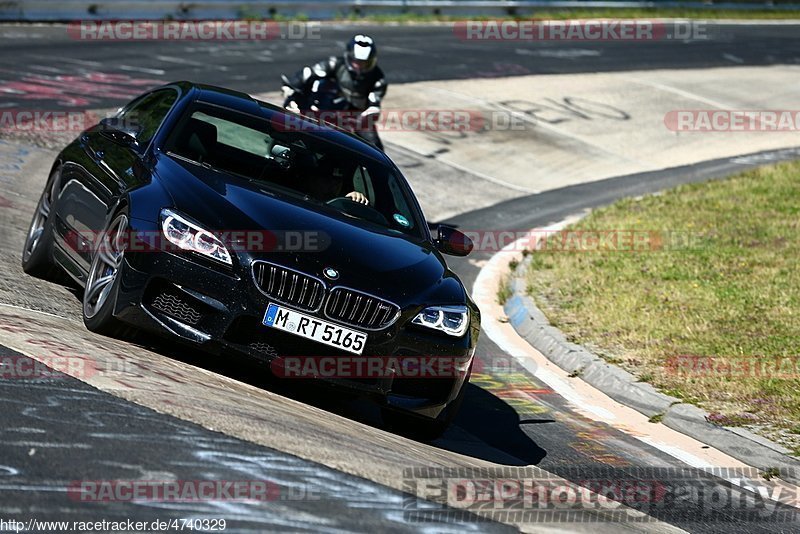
x,y
171,304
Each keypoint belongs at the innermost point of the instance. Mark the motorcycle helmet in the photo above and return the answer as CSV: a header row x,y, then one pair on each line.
x,y
360,54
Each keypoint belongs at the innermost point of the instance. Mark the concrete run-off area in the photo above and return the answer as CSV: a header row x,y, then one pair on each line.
x,y
535,133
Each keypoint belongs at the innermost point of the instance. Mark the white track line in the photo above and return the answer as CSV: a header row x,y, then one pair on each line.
x,y
680,92
4,305
131,68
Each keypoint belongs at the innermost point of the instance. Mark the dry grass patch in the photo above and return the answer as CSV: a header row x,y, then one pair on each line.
x,y
712,317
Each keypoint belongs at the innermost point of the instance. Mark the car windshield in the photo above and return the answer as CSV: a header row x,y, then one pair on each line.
x,y
297,163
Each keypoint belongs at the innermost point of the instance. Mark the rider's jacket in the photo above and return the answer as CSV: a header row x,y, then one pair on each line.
x,y
362,92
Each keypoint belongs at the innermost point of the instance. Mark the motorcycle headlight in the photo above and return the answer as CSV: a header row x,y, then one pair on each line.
x,y
187,235
452,320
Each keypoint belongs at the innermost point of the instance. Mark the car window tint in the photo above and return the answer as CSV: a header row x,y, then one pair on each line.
x,y
149,112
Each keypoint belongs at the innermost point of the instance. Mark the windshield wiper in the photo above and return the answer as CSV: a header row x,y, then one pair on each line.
x,y
208,166
189,160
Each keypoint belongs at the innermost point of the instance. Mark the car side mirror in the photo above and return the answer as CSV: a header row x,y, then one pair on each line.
x,y
282,155
451,241
121,131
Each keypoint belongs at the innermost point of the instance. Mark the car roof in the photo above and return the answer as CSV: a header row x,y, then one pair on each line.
x,y
238,100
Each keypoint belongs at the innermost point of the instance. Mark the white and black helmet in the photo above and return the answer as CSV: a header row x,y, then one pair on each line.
x,y
361,55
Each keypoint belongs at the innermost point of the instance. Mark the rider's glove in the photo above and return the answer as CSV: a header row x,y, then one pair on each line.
x,y
368,117
372,110
292,106
287,91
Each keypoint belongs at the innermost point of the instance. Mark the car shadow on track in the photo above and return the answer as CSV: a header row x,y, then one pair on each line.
x,y
486,427
495,427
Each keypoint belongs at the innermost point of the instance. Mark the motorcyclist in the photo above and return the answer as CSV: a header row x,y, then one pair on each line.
x,y
359,79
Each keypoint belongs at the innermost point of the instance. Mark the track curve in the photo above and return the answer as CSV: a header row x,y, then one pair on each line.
x,y
504,422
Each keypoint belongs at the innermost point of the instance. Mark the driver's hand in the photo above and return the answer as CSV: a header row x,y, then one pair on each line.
x,y
355,196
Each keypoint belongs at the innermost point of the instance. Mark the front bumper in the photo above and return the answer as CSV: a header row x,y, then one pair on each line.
x,y
219,311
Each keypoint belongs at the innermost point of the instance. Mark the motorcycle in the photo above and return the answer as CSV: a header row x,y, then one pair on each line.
x,y
325,103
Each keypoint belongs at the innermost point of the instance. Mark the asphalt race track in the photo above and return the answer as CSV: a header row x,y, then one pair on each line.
x,y
58,430
408,53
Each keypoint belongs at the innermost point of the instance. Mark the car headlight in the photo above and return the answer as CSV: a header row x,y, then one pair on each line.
x,y
452,320
187,235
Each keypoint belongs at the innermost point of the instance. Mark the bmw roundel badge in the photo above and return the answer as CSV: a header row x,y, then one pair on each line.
x,y
331,273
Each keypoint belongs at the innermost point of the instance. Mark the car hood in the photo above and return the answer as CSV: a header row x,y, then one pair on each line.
x,y
300,236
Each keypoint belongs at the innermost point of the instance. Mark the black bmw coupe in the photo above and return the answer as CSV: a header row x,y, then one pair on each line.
x,y
204,215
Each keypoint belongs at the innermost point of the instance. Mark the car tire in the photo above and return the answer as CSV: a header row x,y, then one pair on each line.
x,y
36,253
102,283
423,428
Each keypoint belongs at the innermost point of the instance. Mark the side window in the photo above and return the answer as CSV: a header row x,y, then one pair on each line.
x,y
402,215
392,203
149,112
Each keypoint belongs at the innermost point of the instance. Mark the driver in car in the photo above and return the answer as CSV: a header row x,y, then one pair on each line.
x,y
326,182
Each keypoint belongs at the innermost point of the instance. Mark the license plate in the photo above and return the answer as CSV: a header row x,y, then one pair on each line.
x,y
309,327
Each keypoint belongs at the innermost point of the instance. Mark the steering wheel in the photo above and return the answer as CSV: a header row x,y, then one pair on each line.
x,y
356,209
